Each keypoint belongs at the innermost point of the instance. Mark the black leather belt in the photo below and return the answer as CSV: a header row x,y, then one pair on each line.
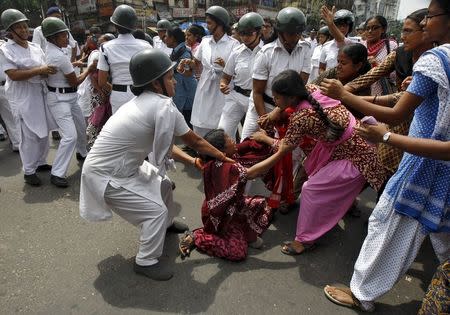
x,y
2,83
120,87
242,91
268,99
63,90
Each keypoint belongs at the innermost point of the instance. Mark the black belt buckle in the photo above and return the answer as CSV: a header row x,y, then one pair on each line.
x,y
119,87
62,90
242,91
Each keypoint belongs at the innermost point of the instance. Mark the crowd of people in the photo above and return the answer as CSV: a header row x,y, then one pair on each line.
x,y
318,117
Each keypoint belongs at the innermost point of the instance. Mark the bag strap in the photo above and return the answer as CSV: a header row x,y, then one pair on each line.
x,y
444,59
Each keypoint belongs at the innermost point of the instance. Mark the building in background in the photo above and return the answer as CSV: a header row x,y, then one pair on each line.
x,y
363,9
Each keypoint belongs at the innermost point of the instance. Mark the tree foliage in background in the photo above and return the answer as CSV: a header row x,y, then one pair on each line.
x,y
395,28
26,6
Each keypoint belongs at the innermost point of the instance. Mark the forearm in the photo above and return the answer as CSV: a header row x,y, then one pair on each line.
x,y
264,166
258,100
181,156
82,77
383,100
336,33
200,145
22,75
381,113
374,74
434,149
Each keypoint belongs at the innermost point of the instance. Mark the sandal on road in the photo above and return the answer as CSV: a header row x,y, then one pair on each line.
x,y
187,244
350,300
288,249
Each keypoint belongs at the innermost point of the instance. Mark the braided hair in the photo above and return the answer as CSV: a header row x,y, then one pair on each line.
x,y
289,83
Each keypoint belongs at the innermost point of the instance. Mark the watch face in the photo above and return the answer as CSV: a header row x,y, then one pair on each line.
x,y
386,136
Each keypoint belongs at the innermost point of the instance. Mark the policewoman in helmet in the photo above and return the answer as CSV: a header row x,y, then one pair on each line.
x,y
239,68
289,51
323,41
114,59
24,65
340,24
158,41
115,176
62,100
212,54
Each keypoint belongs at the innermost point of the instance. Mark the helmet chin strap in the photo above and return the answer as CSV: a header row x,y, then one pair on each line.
x,y
19,35
163,85
257,39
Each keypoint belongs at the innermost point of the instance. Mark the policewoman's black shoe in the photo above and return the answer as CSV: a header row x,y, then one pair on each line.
x,y
32,180
59,181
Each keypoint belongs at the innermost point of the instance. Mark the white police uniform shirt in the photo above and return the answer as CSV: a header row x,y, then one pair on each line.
x,y
274,58
57,57
313,42
240,65
330,53
209,101
158,43
115,57
27,96
144,125
38,38
315,61
271,60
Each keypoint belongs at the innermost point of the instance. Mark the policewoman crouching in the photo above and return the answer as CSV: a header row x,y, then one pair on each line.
x,y
115,176
62,99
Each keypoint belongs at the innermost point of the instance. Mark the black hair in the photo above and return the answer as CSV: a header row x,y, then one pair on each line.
x,y
418,16
123,30
139,34
268,20
290,83
95,30
383,22
357,53
176,33
216,138
198,31
444,5
139,90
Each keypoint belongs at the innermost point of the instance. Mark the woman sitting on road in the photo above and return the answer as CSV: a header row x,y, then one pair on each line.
x,y
231,220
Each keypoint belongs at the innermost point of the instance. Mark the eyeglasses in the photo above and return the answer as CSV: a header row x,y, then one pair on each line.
x,y
372,28
408,32
246,33
429,17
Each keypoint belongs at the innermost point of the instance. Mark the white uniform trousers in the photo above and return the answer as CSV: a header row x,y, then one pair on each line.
x,y
117,99
236,105
151,218
390,247
10,119
251,119
72,127
33,150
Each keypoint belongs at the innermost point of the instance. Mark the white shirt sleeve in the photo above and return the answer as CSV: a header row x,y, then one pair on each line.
x,y
231,64
39,38
102,63
307,61
64,65
261,67
5,63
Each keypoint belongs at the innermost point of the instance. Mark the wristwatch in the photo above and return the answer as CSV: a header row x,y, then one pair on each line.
x,y
386,136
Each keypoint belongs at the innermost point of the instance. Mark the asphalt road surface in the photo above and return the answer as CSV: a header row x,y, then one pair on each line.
x,y
54,262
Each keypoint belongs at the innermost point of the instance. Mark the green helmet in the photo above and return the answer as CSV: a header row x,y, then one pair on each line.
x,y
324,30
219,14
11,17
290,20
52,26
148,65
250,21
163,25
124,16
344,16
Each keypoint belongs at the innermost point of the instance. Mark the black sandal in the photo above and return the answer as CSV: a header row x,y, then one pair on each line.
x,y
186,246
